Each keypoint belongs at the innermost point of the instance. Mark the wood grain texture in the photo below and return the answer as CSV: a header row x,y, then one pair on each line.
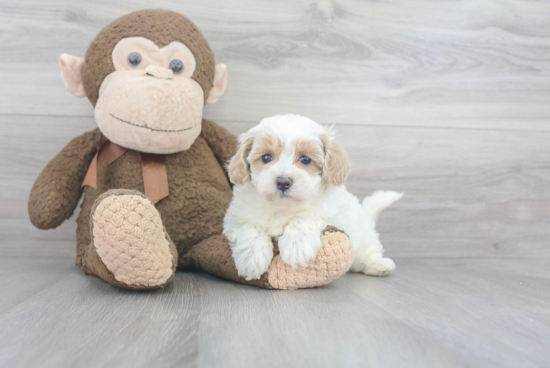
x,y
446,101
474,63
468,192
429,313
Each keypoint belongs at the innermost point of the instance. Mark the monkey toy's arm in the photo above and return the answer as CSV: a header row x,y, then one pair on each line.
x,y
222,142
56,192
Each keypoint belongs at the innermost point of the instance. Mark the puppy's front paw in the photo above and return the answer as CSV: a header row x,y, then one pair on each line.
x,y
297,249
253,260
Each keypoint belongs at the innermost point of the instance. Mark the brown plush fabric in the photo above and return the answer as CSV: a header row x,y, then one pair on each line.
x,y
217,140
56,192
213,255
145,23
199,190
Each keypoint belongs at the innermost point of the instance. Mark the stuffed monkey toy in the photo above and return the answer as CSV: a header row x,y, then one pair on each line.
x,y
153,172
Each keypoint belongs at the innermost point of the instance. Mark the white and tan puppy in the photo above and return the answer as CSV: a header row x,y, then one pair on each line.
x,y
289,174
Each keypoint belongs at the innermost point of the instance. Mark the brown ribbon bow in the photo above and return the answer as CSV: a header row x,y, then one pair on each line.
x,y
153,167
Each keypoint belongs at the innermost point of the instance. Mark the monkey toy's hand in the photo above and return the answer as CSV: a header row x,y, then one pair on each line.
x,y
56,192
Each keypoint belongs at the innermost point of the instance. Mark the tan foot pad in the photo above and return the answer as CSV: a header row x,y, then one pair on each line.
x,y
129,237
333,260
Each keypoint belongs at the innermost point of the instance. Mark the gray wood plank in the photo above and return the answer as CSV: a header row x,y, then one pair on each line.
x,y
429,313
468,192
455,64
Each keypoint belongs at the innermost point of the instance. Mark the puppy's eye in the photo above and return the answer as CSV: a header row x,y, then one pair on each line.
x,y
266,158
305,160
134,59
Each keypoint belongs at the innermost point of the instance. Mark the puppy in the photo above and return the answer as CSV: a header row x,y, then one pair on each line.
x,y
289,176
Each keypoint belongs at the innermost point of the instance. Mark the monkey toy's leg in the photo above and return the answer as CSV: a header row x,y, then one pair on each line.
x,y
213,255
130,247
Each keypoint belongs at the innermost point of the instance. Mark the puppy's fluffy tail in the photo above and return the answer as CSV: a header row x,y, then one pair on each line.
x,y
379,201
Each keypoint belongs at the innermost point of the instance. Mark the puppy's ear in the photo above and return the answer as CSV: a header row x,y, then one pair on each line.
x,y
238,169
336,167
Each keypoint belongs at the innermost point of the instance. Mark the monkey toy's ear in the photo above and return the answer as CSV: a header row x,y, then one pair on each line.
x,y
71,72
218,86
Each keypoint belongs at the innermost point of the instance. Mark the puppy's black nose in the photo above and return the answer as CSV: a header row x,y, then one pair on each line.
x,y
283,183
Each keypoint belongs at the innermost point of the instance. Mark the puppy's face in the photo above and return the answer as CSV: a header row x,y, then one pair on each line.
x,y
289,159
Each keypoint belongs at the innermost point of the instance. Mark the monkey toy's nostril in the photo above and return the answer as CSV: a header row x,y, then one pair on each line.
x,y
158,72
283,183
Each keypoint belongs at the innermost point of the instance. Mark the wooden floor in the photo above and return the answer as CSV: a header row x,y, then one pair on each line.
x,y
429,313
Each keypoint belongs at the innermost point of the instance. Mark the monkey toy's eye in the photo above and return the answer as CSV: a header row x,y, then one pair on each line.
x,y
134,59
305,160
266,159
176,66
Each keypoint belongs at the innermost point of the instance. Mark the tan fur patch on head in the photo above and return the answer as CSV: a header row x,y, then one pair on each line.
x,y
311,149
265,144
238,170
157,25
336,167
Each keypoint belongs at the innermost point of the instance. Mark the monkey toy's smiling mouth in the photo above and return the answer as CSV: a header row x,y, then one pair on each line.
x,y
151,129
143,114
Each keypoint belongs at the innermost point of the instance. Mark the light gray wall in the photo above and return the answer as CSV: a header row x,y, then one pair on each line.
x,y
448,101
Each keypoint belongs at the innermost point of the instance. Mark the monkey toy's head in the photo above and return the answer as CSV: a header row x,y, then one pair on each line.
x,y
148,74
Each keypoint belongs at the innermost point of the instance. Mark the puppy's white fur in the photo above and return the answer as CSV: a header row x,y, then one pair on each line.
x,y
317,197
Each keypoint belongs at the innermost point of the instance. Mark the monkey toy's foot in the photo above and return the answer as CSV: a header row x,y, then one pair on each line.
x,y
332,261
129,239
335,257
